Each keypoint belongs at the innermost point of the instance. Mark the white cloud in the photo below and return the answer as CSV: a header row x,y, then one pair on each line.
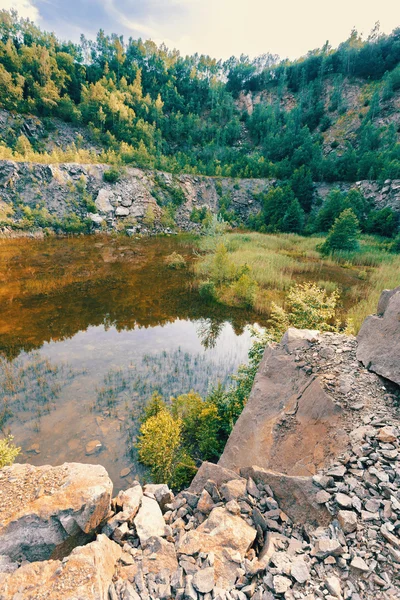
x,y
290,28
25,8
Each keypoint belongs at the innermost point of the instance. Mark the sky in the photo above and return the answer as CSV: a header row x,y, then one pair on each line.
x,y
219,28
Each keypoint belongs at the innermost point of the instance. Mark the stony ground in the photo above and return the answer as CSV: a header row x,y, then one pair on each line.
x,y
239,537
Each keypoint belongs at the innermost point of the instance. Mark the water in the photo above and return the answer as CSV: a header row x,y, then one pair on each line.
x,y
89,328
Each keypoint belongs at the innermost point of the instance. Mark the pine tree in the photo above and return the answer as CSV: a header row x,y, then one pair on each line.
x,y
293,221
343,234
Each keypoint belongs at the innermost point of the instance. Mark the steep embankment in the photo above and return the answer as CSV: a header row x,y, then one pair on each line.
x,y
137,201
236,533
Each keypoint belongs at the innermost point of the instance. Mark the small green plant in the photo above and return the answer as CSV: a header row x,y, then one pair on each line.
x,y
112,175
175,261
8,451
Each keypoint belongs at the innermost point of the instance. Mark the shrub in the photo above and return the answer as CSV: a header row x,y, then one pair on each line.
x,y
343,234
175,261
245,289
383,222
112,175
395,245
207,290
307,307
159,445
8,451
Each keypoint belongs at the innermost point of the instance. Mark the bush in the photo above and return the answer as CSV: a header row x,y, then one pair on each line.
x,y
175,261
395,245
383,222
207,290
307,307
112,175
8,451
343,234
160,449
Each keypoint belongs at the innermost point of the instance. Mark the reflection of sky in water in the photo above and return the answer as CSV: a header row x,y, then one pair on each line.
x,y
98,348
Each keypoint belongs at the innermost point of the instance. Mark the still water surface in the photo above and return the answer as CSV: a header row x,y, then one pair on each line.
x,y
89,328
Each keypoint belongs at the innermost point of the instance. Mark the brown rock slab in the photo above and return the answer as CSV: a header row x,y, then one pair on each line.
x,y
86,574
379,338
210,471
46,511
227,536
280,388
296,496
158,555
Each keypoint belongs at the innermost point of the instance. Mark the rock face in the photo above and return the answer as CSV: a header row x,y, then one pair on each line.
x,y
46,511
290,424
86,574
125,203
379,338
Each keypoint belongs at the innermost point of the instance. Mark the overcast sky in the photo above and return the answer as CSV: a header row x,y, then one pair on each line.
x,y
220,28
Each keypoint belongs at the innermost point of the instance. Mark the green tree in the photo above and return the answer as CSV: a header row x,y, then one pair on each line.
x,y
293,221
343,235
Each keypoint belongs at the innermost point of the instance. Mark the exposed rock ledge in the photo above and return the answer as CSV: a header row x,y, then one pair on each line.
x,y
238,533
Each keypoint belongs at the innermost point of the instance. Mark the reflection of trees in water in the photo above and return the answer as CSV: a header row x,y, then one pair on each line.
x,y
208,331
57,288
29,387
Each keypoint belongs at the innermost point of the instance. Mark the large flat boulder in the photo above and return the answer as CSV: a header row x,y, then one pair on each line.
x,y
46,511
85,575
228,537
289,424
379,338
296,496
210,471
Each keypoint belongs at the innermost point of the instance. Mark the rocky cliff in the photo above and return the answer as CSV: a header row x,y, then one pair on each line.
x,y
304,504
134,202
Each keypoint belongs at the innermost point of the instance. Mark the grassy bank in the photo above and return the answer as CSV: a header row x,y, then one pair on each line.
x,y
257,269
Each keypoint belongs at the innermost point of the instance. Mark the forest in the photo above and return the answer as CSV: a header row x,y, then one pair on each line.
x,y
154,108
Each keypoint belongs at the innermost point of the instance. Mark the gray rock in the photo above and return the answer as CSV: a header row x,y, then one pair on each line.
x,y
299,570
203,580
296,495
379,339
121,211
347,520
149,521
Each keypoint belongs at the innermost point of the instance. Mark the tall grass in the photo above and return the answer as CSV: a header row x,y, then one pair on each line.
x,y
276,262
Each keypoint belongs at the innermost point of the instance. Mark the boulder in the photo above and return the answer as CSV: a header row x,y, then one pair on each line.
x,y
149,521
296,496
161,492
102,201
298,338
129,500
86,574
379,338
282,391
227,536
45,511
158,555
121,211
210,471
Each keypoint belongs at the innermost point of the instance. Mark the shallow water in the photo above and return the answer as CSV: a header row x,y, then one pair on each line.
x,y
89,328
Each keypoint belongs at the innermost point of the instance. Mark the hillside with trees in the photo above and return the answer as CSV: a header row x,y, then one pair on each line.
x,y
331,116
